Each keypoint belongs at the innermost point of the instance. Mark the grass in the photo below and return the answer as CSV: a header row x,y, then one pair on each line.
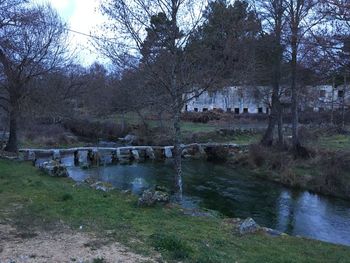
x,y
198,127
326,171
29,198
204,137
335,142
134,119
37,145
205,132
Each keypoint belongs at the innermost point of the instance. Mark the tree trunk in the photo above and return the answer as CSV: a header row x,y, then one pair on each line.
x,y
144,123
332,102
343,104
161,125
177,156
12,144
177,96
123,122
294,102
274,117
267,139
280,126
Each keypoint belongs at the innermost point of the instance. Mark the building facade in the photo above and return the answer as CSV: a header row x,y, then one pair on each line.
x,y
256,100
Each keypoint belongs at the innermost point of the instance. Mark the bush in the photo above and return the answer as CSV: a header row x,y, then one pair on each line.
x,y
324,172
95,130
257,155
217,153
66,197
154,136
319,118
47,135
271,158
99,260
202,117
34,131
335,176
177,248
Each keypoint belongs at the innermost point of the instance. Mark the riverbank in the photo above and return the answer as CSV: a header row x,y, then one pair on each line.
x,y
33,203
326,171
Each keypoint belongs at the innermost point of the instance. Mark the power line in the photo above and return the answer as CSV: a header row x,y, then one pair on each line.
x,y
111,40
81,33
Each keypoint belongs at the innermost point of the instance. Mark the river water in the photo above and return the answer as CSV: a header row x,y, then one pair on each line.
x,y
236,193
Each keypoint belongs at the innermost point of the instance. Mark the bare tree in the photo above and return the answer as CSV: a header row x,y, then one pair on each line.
x,y
131,94
300,22
273,14
338,10
336,41
31,44
56,94
168,68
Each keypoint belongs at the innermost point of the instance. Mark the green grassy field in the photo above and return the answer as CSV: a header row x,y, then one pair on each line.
x,y
334,142
30,199
207,132
134,119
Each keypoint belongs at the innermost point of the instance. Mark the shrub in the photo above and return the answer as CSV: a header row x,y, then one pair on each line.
x,y
34,131
66,197
99,260
257,155
47,134
95,130
202,117
217,153
177,248
272,158
306,134
335,176
289,177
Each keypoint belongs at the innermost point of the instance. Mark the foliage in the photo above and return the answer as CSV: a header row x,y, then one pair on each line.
x,y
225,40
201,117
95,130
172,244
32,44
333,142
325,172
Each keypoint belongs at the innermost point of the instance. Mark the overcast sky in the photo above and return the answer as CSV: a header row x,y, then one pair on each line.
x,y
82,16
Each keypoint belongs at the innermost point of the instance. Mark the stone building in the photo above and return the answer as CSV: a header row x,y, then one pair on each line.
x,y
231,99
325,97
256,100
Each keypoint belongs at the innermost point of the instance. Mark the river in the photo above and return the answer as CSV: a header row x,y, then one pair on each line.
x,y
236,193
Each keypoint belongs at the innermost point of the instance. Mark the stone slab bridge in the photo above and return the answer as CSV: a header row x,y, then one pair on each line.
x,y
111,155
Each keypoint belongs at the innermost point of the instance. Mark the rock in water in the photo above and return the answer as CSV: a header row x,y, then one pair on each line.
x,y
103,186
55,169
76,158
31,156
150,198
167,152
56,155
150,153
248,226
135,155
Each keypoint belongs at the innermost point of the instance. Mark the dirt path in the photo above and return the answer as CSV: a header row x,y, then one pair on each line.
x,y
63,246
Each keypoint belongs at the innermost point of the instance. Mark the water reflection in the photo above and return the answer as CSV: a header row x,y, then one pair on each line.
x,y
236,193
284,212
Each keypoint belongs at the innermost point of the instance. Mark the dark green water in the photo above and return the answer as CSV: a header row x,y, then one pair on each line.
x,y
236,193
